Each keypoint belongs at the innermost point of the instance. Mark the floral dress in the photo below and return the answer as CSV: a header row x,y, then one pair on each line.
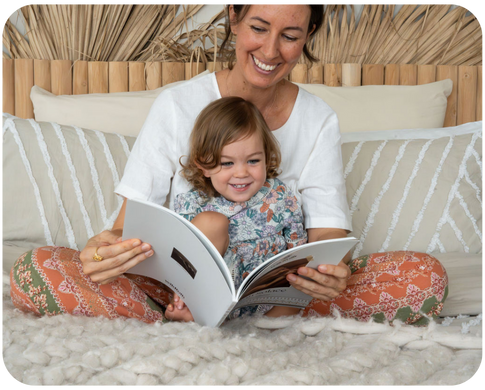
x,y
268,223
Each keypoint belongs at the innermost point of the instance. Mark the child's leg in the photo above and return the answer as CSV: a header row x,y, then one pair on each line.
x,y
216,228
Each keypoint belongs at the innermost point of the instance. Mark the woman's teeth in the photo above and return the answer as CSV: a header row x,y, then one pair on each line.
x,y
264,66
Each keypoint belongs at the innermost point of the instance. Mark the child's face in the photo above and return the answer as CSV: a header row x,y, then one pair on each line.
x,y
242,171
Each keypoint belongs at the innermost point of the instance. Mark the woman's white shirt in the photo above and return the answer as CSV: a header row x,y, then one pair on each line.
x,y
309,142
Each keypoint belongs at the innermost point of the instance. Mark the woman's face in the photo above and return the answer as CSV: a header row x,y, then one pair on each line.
x,y
270,41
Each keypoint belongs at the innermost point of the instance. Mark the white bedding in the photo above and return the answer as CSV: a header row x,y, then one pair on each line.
x,y
64,349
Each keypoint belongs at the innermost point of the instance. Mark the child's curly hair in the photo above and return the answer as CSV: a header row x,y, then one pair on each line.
x,y
221,123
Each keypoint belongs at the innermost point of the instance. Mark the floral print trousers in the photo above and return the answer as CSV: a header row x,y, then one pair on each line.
x,y
406,286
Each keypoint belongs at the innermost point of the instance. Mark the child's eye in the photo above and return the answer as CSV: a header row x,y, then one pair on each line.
x,y
227,163
253,162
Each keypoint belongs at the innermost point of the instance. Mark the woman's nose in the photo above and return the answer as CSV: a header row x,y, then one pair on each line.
x,y
270,47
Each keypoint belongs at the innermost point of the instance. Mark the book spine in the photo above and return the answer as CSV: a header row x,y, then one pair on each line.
x,y
228,311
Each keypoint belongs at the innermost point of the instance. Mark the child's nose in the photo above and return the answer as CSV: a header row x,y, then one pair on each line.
x,y
241,171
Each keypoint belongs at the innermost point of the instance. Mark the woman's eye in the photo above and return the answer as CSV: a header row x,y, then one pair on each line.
x,y
290,38
257,29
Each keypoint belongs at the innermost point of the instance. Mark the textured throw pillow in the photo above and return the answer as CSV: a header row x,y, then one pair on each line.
x,y
122,112
58,182
386,107
415,190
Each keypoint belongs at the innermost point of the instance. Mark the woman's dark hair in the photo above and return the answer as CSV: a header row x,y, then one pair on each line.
x,y
316,19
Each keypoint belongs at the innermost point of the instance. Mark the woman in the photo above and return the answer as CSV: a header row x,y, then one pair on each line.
x,y
269,42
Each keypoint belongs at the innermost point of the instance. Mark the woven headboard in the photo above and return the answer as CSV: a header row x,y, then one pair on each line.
x,y
63,77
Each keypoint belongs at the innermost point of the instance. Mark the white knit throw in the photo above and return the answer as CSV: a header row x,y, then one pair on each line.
x,y
64,350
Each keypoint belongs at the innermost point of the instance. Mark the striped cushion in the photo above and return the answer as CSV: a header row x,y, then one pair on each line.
x,y
58,182
415,189
410,189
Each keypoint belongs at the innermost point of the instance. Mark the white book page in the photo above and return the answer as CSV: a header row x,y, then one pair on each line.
x,y
210,248
180,261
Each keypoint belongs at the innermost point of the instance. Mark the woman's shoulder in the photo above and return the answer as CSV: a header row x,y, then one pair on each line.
x,y
199,88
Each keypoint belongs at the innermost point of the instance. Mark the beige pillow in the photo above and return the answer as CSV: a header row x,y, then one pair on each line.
x,y
122,112
58,182
418,190
386,107
464,283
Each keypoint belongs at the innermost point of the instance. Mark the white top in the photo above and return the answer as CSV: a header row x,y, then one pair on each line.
x,y
309,142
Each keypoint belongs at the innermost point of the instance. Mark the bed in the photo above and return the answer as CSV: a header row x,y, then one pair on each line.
x,y
411,145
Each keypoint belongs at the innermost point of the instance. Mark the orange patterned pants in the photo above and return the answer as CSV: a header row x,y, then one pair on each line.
x,y
405,285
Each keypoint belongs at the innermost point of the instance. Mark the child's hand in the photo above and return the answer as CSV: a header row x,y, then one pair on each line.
x,y
177,311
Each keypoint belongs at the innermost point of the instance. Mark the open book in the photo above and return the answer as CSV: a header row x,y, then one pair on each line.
x,y
187,262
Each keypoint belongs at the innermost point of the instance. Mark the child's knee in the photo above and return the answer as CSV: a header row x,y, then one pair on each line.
x,y
216,228
211,221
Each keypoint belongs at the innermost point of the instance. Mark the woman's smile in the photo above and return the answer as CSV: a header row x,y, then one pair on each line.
x,y
262,66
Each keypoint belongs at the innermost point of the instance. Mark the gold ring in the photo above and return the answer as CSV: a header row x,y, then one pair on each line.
x,y
97,257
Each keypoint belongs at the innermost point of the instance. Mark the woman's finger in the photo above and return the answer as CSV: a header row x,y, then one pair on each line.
x,y
341,271
318,277
312,289
107,269
112,257
127,246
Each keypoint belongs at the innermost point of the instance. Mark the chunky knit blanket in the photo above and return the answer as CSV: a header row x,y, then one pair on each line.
x,y
64,350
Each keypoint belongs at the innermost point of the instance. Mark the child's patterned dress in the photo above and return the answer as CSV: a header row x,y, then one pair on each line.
x,y
268,223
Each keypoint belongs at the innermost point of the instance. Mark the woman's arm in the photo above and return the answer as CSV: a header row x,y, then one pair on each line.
x,y
328,281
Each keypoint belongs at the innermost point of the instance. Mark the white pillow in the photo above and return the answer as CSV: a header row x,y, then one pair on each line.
x,y
416,190
121,112
386,107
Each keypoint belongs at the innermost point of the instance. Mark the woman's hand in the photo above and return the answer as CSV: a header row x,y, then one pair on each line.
x,y
118,256
326,283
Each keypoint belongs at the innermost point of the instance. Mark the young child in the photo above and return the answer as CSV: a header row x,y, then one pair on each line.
x,y
237,201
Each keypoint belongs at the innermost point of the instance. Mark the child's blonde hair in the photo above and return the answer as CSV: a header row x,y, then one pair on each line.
x,y
221,123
